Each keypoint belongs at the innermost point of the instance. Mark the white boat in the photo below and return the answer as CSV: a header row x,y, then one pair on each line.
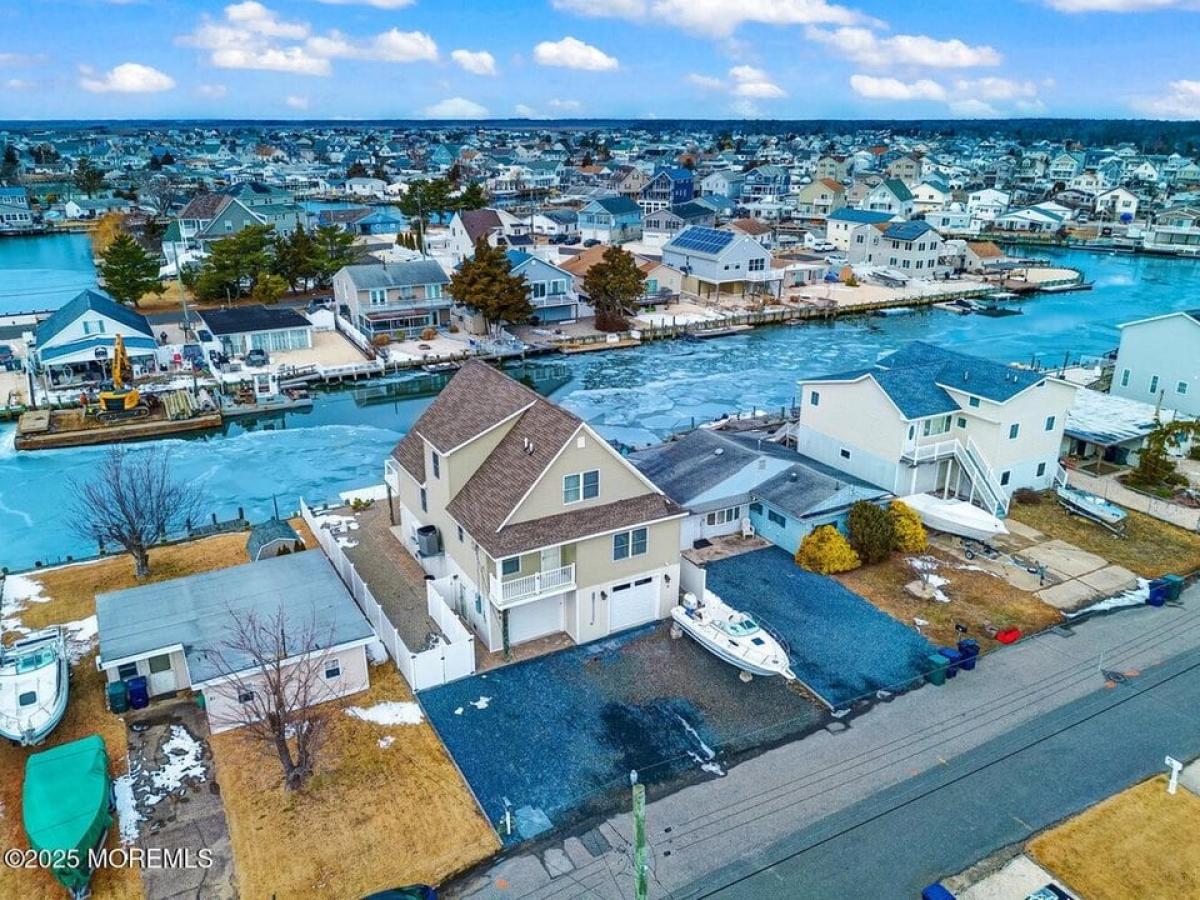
x,y
955,517
34,684
1092,506
732,636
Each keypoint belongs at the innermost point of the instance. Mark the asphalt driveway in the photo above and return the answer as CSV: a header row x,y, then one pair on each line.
x,y
841,646
553,739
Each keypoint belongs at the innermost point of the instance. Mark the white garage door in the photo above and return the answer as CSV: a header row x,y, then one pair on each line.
x,y
532,620
632,603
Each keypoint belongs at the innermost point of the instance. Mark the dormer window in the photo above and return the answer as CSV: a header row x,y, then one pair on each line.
x,y
581,486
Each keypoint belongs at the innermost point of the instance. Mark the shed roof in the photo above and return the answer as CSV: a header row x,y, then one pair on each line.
x,y
243,319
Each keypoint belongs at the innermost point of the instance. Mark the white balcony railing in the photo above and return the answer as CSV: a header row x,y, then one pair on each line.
x,y
512,591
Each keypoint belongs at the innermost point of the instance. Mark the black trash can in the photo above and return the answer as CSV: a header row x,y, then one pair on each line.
x,y
969,649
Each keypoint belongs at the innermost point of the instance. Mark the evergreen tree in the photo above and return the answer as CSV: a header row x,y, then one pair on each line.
x,y
486,284
357,170
10,167
333,249
872,534
614,285
235,262
129,272
87,177
294,258
472,197
268,288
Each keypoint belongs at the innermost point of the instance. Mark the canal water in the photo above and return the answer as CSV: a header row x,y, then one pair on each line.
x,y
42,273
634,396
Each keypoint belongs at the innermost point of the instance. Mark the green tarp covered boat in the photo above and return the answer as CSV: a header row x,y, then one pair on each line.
x,y
67,804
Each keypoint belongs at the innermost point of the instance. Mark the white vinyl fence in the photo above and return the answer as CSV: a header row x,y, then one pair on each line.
x,y
449,660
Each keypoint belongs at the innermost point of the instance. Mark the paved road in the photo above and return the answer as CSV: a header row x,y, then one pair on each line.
x,y
942,821
722,827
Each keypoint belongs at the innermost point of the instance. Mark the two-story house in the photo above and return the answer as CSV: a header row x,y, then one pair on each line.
x,y
986,204
841,224
717,262
76,343
906,168
15,214
1159,362
835,168
1175,230
891,196
1117,205
659,227
820,198
545,526
497,226
610,220
551,288
766,184
912,248
931,194
927,419
399,299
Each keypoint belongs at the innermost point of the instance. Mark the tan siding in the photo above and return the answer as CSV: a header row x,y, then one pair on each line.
x,y
594,564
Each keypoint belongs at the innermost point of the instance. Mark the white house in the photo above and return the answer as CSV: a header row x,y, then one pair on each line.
x,y
841,223
714,261
1159,361
76,342
940,421
912,248
987,204
1117,203
930,195
891,196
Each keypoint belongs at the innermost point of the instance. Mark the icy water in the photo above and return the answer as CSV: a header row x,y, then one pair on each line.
x,y
635,396
43,273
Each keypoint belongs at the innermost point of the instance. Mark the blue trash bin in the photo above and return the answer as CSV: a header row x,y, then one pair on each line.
x,y
1159,589
969,649
139,692
955,659
935,892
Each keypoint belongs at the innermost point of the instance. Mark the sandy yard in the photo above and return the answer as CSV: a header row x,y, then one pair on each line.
x,y
385,807
1137,844
330,348
442,346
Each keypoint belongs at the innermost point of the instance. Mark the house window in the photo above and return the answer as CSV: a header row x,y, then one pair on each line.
x,y
591,484
724,516
1049,423
1154,384
1013,430
437,464
1125,378
1041,469
776,518
460,534
378,296
756,509
478,604
974,401
757,265
433,292
939,425
127,670
1181,387
629,543
333,668
571,493
962,422
814,398
1004,477
510,566
424,501
581,486
844,453
245,696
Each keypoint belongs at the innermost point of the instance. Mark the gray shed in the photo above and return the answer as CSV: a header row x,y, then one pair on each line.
x,y
272,538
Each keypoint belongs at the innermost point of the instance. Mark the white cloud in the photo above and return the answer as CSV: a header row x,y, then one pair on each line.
x,y
1180,101
127,78
708,82
565,105
477,62
719,18
745,109
572,53
867,47
973,108
1118,6
995,88
17,84
295,101
251,36
212,91
875,88
17,59
525,111
456,108
378,4
744,81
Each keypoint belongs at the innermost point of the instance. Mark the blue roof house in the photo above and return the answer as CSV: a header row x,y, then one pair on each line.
x,y
928,419
611,220
667,187
75,344
551,289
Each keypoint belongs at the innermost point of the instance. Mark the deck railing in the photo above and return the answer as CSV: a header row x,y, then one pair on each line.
x,y
510,591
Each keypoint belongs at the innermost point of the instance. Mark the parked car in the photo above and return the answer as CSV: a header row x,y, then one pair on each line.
x,y
8,362
257,358
592,242
571,239
317,303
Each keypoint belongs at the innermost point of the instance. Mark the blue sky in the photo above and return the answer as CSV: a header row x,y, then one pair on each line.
x,y
598,58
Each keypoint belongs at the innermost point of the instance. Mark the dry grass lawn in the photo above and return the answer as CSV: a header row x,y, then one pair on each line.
x,y
976,599
1139,845
371,817
72,591
1150,547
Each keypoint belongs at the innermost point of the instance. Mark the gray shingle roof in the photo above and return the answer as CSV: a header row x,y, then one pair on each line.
x,y
400,274
90,301
195,611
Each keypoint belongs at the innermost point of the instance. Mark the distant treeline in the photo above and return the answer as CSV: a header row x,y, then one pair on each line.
x,y
1150,135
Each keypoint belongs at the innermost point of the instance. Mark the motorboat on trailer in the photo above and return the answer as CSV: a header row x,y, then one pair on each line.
x,y
1092,506
956,517
34,685
731,635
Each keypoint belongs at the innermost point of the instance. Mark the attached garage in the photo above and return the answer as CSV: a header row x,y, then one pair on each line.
x,y
536,619
632,603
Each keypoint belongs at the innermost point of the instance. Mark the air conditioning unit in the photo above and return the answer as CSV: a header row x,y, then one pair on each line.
x,y
429,541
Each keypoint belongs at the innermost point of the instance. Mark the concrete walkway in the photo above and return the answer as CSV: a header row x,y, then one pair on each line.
x,y
1108,487
704,830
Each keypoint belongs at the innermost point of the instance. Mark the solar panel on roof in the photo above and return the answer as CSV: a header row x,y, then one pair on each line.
x,y
702,240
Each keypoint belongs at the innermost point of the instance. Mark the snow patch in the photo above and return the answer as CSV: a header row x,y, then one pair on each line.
x,y
128,816
81,638
340,527
706,758
17,593
927,566
1135,596
482,702
391,712
386,741
183,761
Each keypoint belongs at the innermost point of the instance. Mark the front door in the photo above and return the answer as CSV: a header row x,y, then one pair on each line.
x,y
551,559
162,676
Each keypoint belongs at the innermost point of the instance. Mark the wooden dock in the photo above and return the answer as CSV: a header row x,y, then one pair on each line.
x,y
55,429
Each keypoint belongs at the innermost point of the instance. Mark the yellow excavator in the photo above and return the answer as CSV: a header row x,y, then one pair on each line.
x,y
123,401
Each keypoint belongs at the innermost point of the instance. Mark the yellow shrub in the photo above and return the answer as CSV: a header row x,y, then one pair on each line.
x,y
825,551
908,528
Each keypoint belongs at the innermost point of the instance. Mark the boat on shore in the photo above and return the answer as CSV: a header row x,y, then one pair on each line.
x,y
1092,506
955,517
34,686
731,635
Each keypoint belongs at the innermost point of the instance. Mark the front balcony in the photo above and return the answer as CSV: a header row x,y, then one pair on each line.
x,y
513,591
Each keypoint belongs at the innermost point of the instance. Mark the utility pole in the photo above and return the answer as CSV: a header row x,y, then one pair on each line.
x,y
639,837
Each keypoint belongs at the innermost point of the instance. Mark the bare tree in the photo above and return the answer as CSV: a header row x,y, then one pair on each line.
x,y
159,192
133,500
274,687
